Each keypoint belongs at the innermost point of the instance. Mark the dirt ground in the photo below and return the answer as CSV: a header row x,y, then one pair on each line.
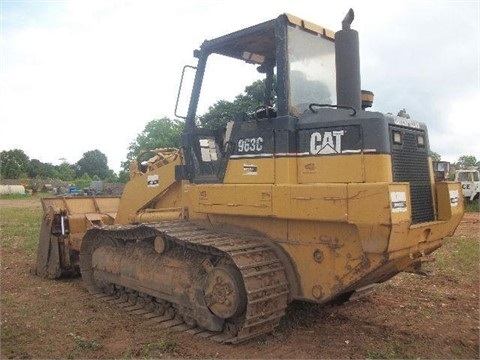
x,y
409,316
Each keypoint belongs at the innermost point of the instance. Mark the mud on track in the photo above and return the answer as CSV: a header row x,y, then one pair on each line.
x,y
408,316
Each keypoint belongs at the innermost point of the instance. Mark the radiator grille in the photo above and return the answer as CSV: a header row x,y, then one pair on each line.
x,y
410,164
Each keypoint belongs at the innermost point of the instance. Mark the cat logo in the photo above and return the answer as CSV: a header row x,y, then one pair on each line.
x,y
330,142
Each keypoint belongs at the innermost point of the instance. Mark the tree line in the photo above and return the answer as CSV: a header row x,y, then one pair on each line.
x,y
158,133
15,164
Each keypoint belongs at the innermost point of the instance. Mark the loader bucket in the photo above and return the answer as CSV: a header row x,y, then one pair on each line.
x,y
65,221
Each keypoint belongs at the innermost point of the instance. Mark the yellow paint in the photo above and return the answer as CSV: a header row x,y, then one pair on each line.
x,y
377,168
338,235
447,210
287,170
345,168
138,194
311,26
255,200
330,169
311,202
250,171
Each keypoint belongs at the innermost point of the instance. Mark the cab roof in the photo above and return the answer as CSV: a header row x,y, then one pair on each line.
x,y
257,43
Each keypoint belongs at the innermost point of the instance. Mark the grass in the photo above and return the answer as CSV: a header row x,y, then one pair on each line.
x,y
20,228
472,206
460,258
82,346
154,349
7,333
14,196
393,351
457,262
37,195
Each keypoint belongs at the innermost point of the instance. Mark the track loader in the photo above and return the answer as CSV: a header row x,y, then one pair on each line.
x,y
310,197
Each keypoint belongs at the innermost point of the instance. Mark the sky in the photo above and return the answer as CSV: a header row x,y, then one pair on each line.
x,y
80,75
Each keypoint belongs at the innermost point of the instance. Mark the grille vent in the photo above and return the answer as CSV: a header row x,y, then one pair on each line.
x,y
410,164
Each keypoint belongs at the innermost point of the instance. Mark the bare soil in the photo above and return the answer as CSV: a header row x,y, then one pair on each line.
x,y
407,317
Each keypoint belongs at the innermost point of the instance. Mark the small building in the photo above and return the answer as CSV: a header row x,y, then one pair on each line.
x,y
12,189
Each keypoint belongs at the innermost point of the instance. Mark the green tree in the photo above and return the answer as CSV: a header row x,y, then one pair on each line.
x,y
40,170
164,132
124,175
435,156
467,162
223,111
83,181
93,162
35,169
219,114
66,171
13,164
112,177
158,133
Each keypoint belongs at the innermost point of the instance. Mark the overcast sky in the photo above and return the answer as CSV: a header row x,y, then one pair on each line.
x,y
81,75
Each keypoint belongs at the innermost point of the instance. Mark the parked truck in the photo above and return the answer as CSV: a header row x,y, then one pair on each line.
x,y
470,180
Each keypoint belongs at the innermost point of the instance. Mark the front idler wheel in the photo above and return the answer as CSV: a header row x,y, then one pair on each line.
x,y
224,292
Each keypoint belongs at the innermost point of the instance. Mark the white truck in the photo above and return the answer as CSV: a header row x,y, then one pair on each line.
x,y
470,183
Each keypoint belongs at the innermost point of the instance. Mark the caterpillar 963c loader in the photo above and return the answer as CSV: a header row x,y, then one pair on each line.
x,y
309,198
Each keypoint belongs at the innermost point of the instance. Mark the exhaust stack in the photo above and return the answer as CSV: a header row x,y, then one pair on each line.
x,y
347,61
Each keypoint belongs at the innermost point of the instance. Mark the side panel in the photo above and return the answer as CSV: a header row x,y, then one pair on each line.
x,y
333,169
254,200
288,175
345,168
449,201
377,168
327,255
250,171
339,237
322,201
311,202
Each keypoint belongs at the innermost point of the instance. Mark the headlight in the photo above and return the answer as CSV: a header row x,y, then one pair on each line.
x,y
421,141
397,137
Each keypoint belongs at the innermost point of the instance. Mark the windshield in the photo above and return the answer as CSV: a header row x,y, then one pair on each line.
x,y
227,80
311,61
468,176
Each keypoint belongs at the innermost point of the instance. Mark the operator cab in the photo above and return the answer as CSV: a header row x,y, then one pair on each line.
x,y
296,58
296,61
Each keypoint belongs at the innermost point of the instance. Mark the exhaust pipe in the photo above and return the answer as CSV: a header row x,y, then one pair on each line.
x,y
347,61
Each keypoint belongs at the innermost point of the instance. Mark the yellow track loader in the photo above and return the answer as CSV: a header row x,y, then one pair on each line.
x,y
310,197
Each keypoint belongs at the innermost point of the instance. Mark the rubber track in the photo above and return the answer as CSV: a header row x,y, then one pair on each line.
x,y
263,273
